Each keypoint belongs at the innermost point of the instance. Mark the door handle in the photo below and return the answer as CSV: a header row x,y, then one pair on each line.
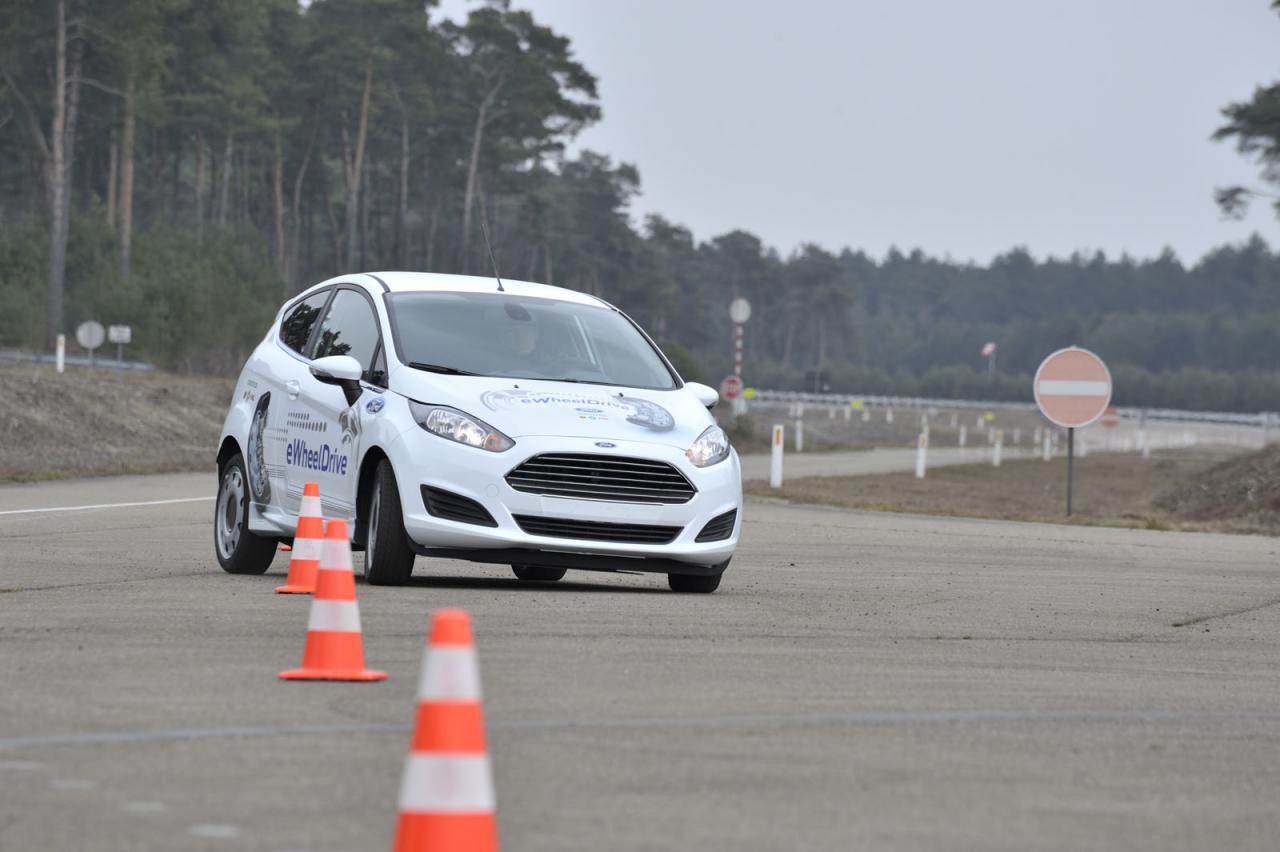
x,y
293,388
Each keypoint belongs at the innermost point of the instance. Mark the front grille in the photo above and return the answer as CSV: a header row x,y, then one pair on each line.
x,y
719,528
455,507
595,477
595,531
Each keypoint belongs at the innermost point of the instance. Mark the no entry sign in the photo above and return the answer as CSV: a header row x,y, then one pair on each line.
x,y
731,387
1073,387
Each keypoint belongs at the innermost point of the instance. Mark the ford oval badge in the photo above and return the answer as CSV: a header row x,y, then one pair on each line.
x,y
605,444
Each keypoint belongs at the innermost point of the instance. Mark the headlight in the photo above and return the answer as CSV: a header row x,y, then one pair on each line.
x,y
712,446
456,426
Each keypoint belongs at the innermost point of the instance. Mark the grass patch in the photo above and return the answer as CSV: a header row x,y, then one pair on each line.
x,y
1110,489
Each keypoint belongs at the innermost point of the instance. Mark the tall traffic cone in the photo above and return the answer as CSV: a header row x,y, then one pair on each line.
x,y
334,649
304,562
446,793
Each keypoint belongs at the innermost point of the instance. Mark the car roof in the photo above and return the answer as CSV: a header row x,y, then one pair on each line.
x,y
435,282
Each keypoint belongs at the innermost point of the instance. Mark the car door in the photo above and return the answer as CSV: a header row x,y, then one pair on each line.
x,y
326,448
276,380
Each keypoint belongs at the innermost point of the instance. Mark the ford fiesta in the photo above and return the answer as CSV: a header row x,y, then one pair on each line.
x,y
465,418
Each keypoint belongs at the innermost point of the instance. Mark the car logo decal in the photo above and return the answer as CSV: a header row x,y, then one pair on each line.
x,y
374,405
605,444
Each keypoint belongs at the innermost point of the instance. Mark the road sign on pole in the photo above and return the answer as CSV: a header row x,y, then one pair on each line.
x,y
1072,389
90,336
731,388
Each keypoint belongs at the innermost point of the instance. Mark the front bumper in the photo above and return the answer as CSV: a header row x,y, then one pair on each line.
x,y
419,458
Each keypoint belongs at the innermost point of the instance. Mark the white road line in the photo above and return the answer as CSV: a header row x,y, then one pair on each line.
x,y
143,807
104,506
219,832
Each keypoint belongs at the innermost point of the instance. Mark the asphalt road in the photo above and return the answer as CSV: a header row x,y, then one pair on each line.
x,y
861,681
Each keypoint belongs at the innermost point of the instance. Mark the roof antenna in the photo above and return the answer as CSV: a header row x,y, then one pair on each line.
x,y
488,245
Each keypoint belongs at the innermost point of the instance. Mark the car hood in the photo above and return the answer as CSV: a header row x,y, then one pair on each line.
x,y
520,407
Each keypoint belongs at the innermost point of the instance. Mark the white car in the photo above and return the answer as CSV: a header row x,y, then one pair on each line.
x,y
470,418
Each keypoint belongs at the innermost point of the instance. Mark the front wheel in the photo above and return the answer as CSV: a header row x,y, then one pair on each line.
x,y
533,574
388,559
239,550
701,584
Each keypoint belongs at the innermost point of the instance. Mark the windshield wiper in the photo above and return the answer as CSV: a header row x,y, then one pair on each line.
x,y
439,368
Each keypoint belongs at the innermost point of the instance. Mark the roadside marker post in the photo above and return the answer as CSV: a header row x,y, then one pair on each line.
x,y
922,450
800,436
60,353
775,457
1072,389
1048,445
888,415
997,449
964,435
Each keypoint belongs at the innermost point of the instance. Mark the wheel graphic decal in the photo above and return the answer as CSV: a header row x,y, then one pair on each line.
x,y
259,482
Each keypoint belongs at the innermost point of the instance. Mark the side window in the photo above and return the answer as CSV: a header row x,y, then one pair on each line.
x,y
295,328
349,328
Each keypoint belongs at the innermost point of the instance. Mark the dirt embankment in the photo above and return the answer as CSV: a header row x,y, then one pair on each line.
x,y
1242,492
1203,489
103,421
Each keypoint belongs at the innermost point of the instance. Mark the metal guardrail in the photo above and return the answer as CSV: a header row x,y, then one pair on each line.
x,y
74,360
1265,419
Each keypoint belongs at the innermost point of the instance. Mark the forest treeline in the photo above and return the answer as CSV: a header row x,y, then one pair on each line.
x,y
185,165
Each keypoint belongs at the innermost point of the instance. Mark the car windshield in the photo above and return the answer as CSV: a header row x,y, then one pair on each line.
x,y
499,334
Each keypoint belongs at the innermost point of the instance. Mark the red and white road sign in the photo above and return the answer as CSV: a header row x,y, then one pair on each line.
x,y
1072,387
1111,418
731,387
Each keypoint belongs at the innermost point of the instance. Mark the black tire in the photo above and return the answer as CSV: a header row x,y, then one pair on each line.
x,y
239,550
534,574
388,559
697,584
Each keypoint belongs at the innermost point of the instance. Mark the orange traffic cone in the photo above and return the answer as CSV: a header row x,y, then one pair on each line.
x,y
304,562
334,649
446,793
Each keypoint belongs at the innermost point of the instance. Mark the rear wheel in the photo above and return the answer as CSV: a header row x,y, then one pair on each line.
x,y
388,559
532,573
702,584
239,550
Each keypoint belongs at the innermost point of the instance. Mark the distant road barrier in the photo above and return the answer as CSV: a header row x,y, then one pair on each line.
x,y
73,360
1265,419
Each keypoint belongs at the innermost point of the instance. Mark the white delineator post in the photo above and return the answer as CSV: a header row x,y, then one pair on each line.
x,y
888,415
60,353
964,435
800,435
922,450
775,458
1048,445
998,448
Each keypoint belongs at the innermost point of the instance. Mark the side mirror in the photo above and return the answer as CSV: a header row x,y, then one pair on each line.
x,y
706,395
341,370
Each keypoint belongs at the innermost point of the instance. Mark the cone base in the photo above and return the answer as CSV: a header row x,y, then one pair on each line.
x,y
333,674
294,590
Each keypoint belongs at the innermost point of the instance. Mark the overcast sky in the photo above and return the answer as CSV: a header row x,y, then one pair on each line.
x,y
961,128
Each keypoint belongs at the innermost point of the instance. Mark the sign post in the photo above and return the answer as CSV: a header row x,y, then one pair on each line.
x,y
1072,389
739,312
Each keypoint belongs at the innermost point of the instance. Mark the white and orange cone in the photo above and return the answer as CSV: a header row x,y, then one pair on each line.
x,y
304,559
446,793
335,648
